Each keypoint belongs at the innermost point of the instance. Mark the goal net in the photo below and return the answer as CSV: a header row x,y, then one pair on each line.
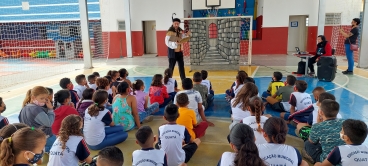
x,y
43,38
219,40
341,17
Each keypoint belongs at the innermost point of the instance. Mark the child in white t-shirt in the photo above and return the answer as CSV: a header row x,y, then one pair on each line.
x,y
236,86
206,82
147,155
170,83
353,133
92,81
256,120
242,142
82,84
276,152
172,136
70,147
240,103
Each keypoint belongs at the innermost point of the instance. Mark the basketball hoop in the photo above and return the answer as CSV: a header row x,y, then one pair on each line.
x,y
212,12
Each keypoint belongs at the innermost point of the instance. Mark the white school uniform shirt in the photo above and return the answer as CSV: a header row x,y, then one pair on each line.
x,y
347,155
251,122
194,98
236,90
170,86
208,84
148,157
76,150
79,89
301,101
227,159
171,137
279,154
238,113
92,86
94,127
315,114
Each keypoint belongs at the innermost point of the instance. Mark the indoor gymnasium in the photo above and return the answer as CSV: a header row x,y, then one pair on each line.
x,y
183,82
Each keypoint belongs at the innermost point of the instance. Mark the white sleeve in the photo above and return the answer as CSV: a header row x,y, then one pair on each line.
x,y
170,44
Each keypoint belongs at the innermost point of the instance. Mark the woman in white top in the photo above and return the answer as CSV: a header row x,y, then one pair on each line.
x,y
242,142
170,83
70,147
256,120
240,103
276,152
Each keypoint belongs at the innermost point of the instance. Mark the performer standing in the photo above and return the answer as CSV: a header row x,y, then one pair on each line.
x,y
175,48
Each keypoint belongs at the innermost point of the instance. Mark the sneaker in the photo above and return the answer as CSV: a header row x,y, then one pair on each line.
x,y
347,72
148,119
306,156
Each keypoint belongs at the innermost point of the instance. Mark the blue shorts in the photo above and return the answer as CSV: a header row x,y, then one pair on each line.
x,y
297,119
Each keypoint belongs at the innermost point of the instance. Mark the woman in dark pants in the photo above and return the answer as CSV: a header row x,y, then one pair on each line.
x,y
351,38
323,49
175,48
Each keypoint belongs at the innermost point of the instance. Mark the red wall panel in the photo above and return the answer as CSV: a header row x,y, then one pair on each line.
x,y
274,41
161,46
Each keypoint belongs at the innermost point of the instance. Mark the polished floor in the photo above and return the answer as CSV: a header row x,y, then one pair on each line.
x,y
350,91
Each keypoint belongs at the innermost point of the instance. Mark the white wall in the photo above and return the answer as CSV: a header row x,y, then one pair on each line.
x,y
155,10
276,12
111,11
187,8
260,7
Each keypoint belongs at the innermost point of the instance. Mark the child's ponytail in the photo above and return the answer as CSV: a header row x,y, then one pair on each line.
x,y
7,156
27,100
256,107
167,75
56,99
99,98
137,85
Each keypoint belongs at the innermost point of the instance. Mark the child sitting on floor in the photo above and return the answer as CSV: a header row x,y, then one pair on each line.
x,y
170,83
172,136
237,85
96,74
158,92
274,85
142,98
110,156
195,100
92,81
239,105
242,142
301,104
256,120
95,119
82,84
324,136
62,109
188,118
353,133
3,120
104,84
85,101
202,89
147,154
65,83
70,147
206,82
123,76
285,91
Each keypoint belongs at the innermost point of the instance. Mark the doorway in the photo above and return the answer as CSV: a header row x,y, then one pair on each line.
x,y
149,37
297,33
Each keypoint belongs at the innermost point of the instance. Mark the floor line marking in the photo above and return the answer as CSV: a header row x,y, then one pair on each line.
x,y
255,71
134,69
355,74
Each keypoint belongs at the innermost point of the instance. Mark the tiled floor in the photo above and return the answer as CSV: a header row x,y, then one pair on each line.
x,y
350,91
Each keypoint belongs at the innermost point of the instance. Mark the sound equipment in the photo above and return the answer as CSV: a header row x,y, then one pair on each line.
x,y
327,66
301,68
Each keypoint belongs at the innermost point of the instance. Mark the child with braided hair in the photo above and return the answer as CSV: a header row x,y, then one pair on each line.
x,y
256,120
62,109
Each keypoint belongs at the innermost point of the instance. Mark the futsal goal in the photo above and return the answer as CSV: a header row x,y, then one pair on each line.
x,y
225,41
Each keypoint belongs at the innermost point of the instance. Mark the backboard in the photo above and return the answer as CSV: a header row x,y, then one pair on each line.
x,y
206,4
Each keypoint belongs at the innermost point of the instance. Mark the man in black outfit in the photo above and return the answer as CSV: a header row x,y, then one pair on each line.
x,y
175,48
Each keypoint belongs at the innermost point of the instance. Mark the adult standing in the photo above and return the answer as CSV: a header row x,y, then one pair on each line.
x,y
175,48
351,38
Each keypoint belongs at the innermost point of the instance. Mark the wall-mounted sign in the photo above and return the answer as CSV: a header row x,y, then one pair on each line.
x,y
294,24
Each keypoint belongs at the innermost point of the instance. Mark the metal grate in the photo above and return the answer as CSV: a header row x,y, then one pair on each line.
x,y
121,25
333,19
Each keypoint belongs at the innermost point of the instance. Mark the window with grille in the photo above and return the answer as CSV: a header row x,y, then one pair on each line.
x,y
121,25
333,19
64,31
212,31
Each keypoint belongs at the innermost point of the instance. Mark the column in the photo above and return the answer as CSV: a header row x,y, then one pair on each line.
x,y
363,50
321,17
86,44
128,30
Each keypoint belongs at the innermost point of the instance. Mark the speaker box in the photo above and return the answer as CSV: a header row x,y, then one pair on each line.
x,y
327,66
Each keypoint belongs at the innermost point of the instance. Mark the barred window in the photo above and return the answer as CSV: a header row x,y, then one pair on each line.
x,y
212,31
333,19
121,25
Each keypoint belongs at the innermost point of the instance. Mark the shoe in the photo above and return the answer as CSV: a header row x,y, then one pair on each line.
x,y
347,72
306,156
148,119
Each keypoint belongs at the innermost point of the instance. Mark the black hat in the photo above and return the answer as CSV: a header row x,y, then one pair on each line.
x,y
175,19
